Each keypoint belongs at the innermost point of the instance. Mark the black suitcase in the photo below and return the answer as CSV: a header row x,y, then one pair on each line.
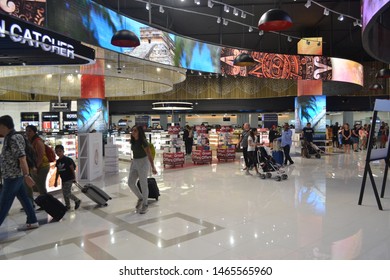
x,y
51,205
96,194
154,192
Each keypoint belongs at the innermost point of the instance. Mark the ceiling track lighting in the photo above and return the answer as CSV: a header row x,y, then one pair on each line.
x,y
211,3
226,8
197,2
235,12
383,73
289,39
147,6
326,12
161,9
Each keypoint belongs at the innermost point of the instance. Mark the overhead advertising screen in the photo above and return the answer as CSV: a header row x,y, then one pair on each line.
x,y
92,115
295,67
311,109
94,24
31,11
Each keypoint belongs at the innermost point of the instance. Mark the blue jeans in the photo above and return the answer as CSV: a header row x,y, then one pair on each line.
x,y
14,187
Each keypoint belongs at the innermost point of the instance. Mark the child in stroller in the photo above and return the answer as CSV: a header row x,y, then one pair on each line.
x,y
309,148
268,165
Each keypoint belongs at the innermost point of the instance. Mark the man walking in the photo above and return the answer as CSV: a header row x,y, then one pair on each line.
x,y
14,172
244,144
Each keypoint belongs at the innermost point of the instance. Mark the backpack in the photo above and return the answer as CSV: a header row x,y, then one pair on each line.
x,y
31,155
50,154
152,150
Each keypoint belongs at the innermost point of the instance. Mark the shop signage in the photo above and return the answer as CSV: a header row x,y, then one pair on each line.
x,y
29,116
71,116
50,116
15,32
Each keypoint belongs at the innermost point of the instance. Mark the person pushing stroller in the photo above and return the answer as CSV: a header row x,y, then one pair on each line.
x,y
308,147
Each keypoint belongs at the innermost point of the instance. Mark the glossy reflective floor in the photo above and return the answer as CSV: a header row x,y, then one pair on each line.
x,y
217,212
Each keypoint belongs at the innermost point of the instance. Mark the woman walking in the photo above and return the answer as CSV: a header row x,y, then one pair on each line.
x,y
140,166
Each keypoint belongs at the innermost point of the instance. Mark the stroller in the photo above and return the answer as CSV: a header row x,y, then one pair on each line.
x,y
268,165
309,148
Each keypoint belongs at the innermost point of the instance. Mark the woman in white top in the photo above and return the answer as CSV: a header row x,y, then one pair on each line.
x,y
252,150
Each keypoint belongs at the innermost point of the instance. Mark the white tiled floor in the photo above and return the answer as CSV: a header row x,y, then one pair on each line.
x,y
217,212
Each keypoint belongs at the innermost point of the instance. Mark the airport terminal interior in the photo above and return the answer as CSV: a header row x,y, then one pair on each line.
x,y
215,211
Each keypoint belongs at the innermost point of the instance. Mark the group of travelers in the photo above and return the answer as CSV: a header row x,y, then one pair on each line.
x,y
20,179
357,137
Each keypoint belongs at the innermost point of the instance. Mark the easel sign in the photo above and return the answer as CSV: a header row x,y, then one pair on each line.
x,y
375,154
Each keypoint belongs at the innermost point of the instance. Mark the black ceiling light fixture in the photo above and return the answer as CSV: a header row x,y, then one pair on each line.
x,y
125,38
275,20
383,73
244,59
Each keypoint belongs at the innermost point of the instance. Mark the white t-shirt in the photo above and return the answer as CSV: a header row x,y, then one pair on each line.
x,y
251,144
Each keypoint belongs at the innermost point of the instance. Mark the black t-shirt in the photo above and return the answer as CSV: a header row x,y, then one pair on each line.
x,y
308,133
63,167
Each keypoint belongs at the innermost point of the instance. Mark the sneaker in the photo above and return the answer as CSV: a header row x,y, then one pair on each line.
x,y
77,204
139,204
291,162
144,209
68,207
28,226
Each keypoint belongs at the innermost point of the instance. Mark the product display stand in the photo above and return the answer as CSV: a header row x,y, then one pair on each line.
x,y
225,153
202,156
173,159
90,156
111,158
376,155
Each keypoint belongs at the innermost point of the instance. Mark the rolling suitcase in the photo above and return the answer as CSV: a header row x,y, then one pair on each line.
x,y
278,156
51,205
96,194
154,191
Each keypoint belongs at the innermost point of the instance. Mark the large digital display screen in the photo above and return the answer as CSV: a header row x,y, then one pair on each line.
x,y
92,115
31,11
94,24
371,8
310,109
297,67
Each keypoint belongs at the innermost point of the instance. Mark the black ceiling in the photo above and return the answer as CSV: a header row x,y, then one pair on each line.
x,y
342,39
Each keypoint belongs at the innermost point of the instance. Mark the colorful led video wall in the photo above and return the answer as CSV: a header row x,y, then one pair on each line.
x,y
92,115
31,11
283,66
311,109
94,24
371,8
